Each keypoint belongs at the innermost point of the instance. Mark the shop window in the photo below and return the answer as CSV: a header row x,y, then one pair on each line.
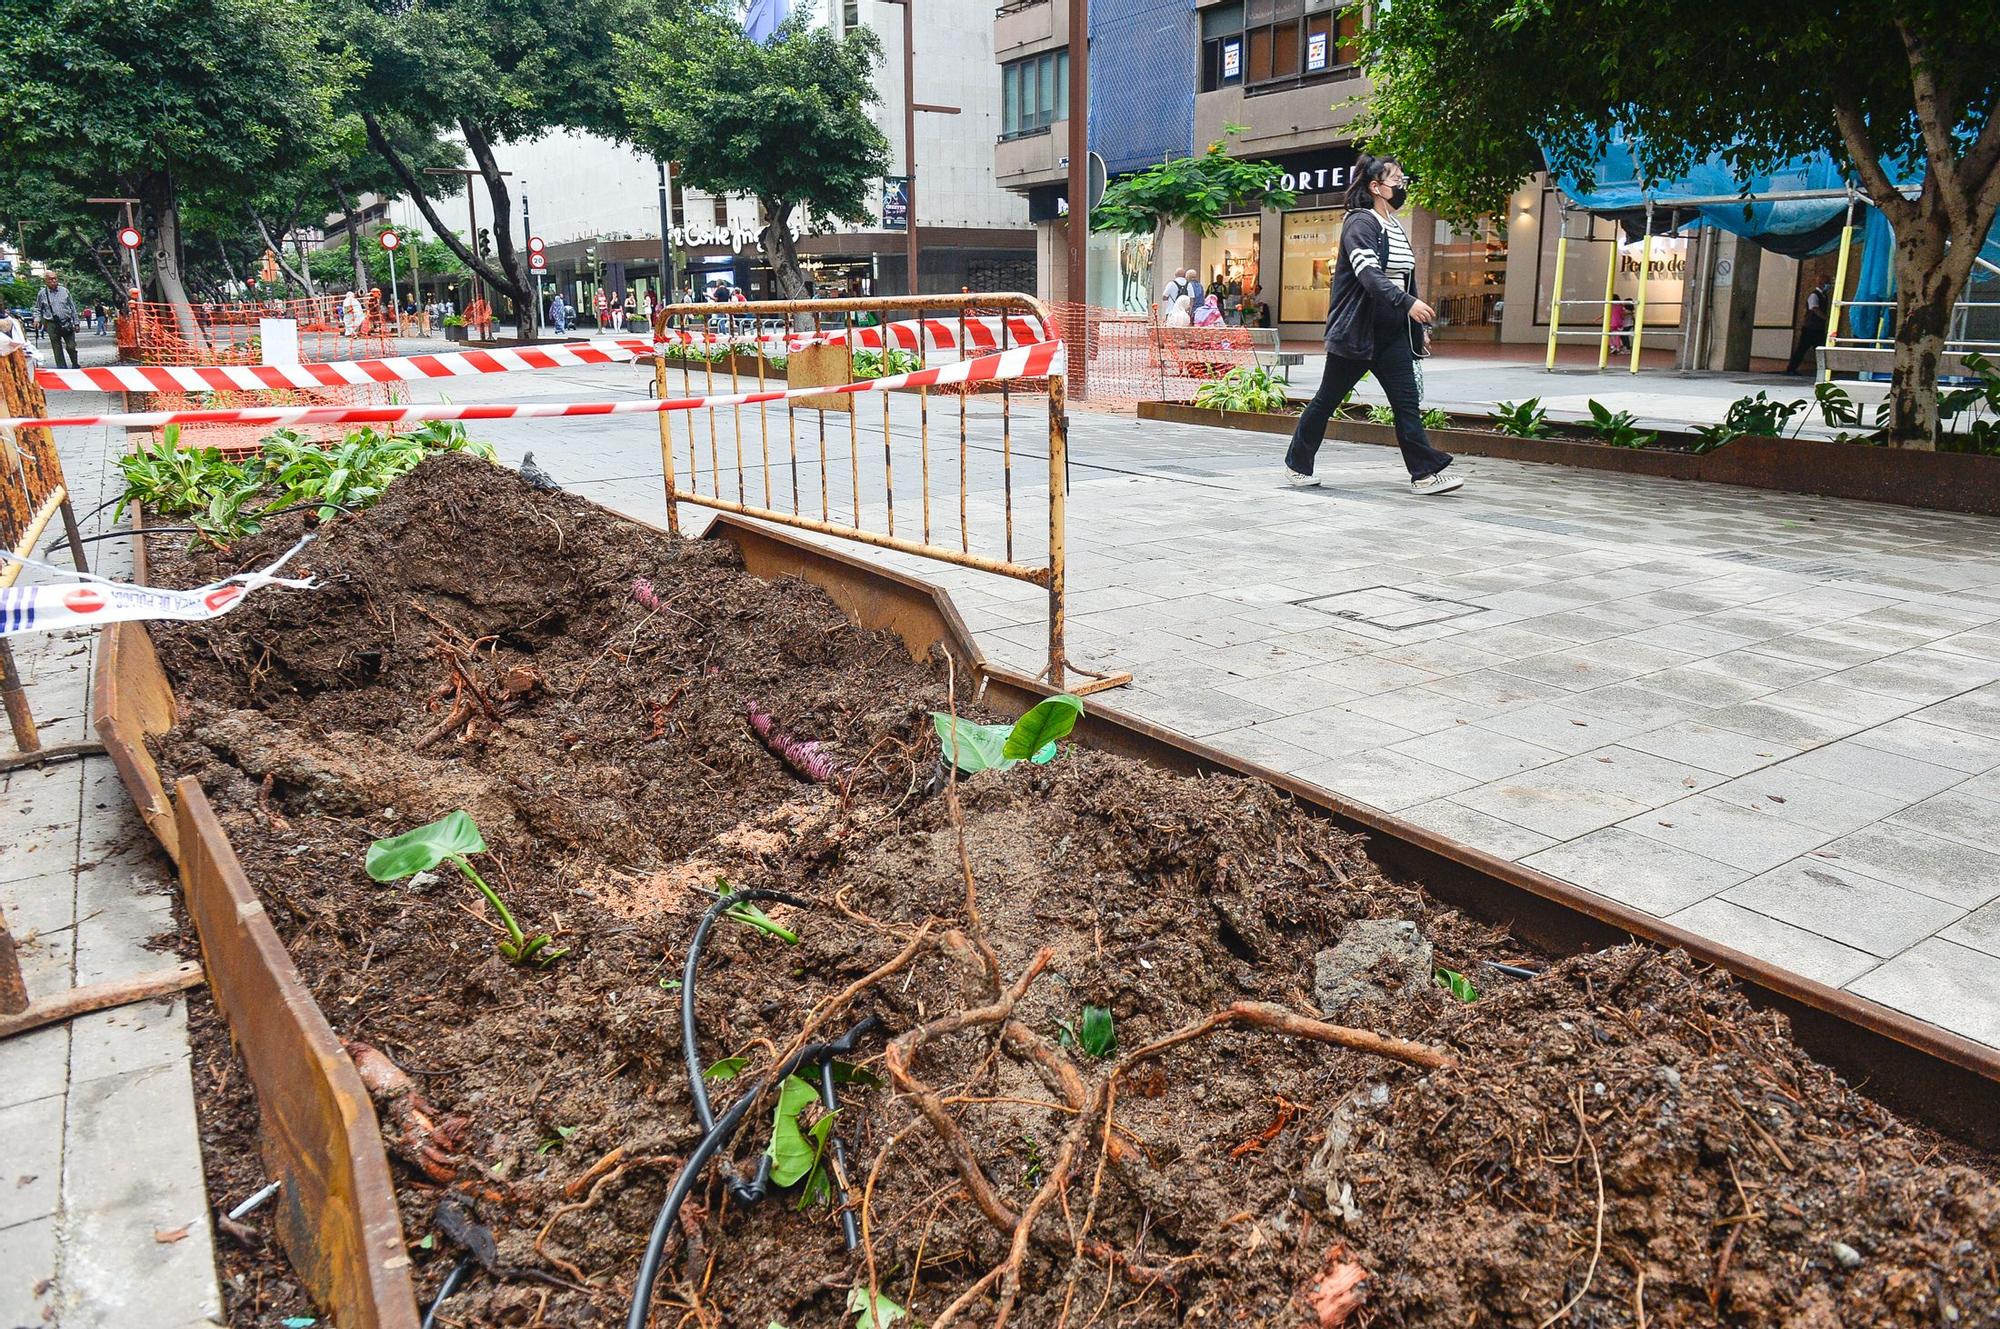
x,y
1034,93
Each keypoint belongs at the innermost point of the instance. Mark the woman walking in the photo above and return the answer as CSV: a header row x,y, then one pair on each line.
x,y
1374,324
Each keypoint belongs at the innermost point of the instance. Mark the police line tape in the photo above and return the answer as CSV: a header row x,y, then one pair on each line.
x,y
51,607
1040,360
980,334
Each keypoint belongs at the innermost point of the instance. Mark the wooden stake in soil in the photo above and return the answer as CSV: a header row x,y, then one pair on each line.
x,y
82,1001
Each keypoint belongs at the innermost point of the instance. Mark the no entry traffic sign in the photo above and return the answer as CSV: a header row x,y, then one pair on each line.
x,y
129,237
535,245
391,240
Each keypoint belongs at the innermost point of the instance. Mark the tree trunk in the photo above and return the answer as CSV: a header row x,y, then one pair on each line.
x,y
519,285
781,251
301,274
1933,266
157,191
361,279
379,139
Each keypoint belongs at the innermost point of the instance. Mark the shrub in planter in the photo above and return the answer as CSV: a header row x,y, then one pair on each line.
x,y
1245,388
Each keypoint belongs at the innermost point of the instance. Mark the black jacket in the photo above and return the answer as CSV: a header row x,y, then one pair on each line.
x,y
1361,294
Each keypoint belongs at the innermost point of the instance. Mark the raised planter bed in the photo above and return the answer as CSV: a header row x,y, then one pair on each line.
x,y
1167,886
1942,481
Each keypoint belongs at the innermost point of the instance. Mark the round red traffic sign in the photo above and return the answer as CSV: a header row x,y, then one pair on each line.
x,y
538,262
535,245
390,240
129,237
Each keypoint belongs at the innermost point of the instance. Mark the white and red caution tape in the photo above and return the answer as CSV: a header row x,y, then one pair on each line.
x,y
1039,360
980,335
71,604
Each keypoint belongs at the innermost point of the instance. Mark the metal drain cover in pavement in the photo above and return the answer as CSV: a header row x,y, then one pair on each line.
x,y
1388,607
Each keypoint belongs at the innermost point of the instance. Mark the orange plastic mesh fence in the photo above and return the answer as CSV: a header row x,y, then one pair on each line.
x,y
212,333
1117,359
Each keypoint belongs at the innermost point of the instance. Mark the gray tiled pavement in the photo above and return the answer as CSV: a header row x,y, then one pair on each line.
x,y
1770,718
100,1165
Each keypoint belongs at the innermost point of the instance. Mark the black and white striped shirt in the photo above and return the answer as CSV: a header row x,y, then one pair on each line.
x,y
1402,260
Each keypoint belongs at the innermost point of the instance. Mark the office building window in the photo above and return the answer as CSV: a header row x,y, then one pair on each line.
x,y
850,15
1034,93
1277,43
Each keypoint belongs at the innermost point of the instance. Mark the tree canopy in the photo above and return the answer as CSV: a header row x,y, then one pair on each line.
x,y
1196,192
786,122
1470,94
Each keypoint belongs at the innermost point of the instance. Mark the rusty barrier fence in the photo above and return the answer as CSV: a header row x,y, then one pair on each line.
x,y
973,474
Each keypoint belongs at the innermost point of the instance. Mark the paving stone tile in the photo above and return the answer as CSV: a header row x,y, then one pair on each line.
x,y
28,1294
1727,832
1955,816
1635,703
1478,753
1854,910
1368,674
1921,675
1975,712
1503,839
1844,703
31,1163
1804,953
1254,744
1447,655
1562,728
1291,693
1196,712
1559,813
1913,737
1979,929
1632,869
32,1066
1701,688
1421,710
1766,719
136,1037
1491,687
133,1167
1334,732
1723,751
1871,769
38,850
1385,779
1958,874
1790,794
1830,650
1950,985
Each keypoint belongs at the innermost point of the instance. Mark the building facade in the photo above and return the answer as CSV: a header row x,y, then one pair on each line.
x,y
1167,79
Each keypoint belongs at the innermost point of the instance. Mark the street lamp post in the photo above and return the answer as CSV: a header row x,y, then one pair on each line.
x,y
1077,228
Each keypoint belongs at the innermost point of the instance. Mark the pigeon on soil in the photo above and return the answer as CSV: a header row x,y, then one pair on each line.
x,y
535,475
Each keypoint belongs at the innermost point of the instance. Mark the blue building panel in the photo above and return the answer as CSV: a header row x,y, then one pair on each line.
x,y
1143,56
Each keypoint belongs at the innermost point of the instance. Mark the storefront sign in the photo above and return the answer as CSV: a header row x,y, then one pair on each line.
x,y
731,237
1321,171
1232,59
1316,52
895,202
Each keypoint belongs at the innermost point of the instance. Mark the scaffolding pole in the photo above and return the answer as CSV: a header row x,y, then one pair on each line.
x,y
1645,280
1839,288
1556,300
1610,290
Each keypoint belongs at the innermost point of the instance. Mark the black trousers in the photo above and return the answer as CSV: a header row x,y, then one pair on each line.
x,y
1394,367
1812,336
61,341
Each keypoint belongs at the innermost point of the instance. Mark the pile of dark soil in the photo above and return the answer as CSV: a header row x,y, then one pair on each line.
x,y
1619,1140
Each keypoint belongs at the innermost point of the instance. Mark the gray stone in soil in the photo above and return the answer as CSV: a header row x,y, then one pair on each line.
x,y
1375,962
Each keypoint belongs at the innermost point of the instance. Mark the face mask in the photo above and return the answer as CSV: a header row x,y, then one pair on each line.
x,y
1398,196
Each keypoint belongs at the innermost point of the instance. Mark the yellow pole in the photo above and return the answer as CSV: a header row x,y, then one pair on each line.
x,y
1839,287
1610,291
1645,276
1556,300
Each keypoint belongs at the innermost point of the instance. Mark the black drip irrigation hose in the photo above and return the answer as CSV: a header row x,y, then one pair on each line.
x,y
133,534
758,1186
717,1139
1513,970
466,1264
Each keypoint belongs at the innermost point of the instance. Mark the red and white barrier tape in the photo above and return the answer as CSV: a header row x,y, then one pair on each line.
x,y
1039,360
981,334
93,600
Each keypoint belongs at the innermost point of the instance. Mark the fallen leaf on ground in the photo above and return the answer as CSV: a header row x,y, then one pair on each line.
x,y
166,1236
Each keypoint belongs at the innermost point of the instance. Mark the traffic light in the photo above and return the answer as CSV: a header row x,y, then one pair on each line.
x,y
485,243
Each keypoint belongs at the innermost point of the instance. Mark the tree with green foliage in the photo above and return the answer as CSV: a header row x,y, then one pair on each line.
x,y
1195,192
785,122
162,100
490,71
1465,90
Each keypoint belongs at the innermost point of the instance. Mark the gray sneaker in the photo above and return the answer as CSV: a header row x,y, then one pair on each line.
x,y
1297,481
1441,483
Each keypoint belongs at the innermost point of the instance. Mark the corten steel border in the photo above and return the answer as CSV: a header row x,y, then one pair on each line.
x,y
336,1214
1938,481
339,1220
132,699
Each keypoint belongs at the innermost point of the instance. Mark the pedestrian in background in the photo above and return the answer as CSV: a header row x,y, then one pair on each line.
x,y
56,314
1180,284
1209,315
1181,315
103,316
11,330
1812,329
1374,324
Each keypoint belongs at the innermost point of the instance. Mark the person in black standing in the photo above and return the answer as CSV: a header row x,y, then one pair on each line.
x,y
1812,329
57,314
1374,324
